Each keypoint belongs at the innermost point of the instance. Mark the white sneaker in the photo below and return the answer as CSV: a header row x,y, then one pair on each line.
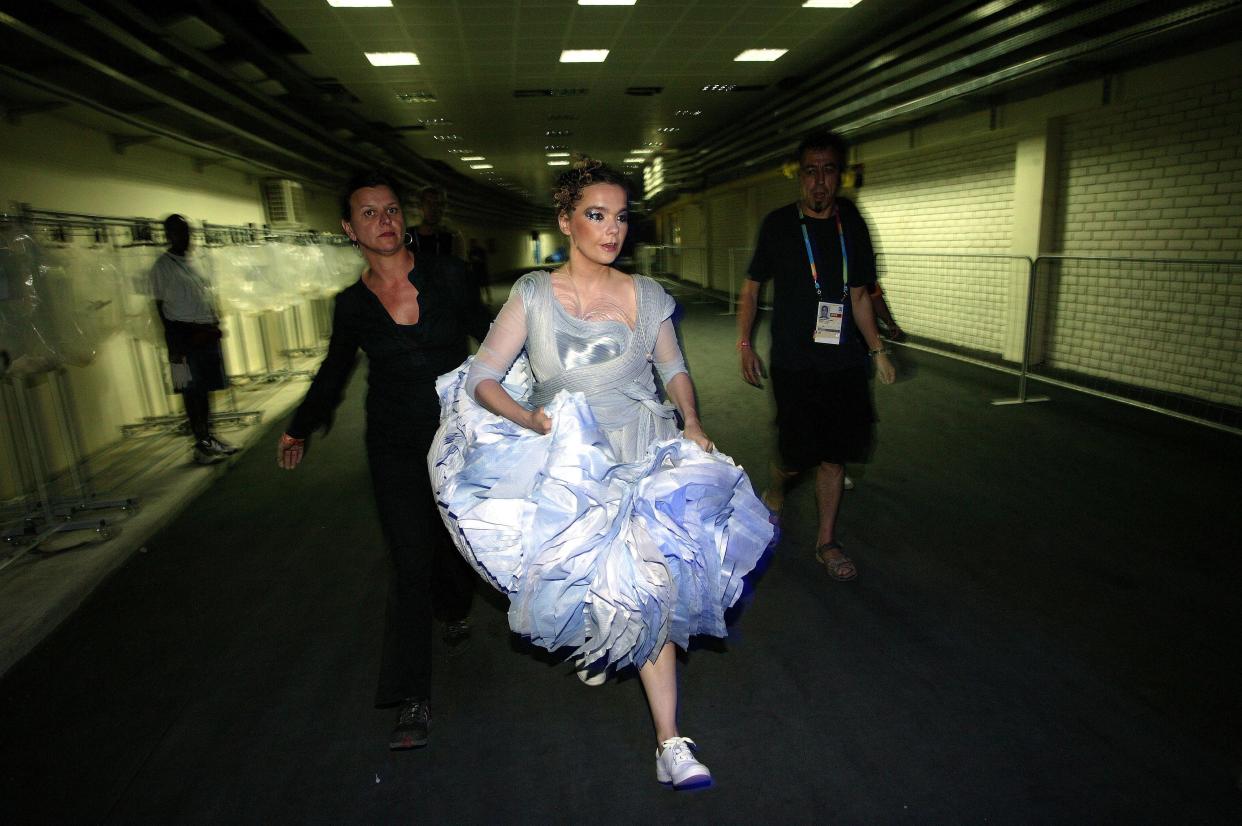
x,y
848,483
675,764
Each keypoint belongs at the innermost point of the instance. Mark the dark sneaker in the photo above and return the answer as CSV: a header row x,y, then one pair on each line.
x,y
413,725
206,454
223,448
457,636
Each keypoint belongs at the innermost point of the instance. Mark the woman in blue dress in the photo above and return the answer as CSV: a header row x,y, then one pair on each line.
x,y
565,482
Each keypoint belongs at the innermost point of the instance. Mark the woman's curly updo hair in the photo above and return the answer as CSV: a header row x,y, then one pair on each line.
x,y
583,173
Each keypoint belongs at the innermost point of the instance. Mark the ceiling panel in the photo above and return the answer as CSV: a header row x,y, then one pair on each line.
x,y
251,91
475,53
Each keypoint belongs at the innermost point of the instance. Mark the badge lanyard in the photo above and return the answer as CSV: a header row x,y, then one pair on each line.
x,y
810,255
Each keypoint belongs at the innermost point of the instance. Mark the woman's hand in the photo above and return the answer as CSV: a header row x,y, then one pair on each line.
x,y
289,451
539,421
694,432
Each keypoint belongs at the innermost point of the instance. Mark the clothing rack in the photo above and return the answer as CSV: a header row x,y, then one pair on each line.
x,y
46,515
124,232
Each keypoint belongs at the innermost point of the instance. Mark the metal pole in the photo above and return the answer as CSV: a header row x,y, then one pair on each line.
x,y
33,448
1027,332
69,434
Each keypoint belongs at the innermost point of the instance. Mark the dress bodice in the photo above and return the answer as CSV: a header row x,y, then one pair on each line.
x,y
604,360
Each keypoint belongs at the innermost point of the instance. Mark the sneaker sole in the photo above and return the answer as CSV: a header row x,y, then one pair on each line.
x,y
697,781
407,744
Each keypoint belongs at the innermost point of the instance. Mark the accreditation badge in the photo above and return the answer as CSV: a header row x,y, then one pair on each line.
x,y
828,323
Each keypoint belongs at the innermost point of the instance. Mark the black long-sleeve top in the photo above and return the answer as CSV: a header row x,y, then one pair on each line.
x,y
404,359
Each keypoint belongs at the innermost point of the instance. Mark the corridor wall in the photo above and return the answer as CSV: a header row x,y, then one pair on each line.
x,y
1143,164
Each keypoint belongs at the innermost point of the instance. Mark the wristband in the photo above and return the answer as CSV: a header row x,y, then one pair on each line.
x,y
878,351
743,345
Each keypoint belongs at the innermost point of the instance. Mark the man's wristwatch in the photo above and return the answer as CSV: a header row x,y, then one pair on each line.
x,y
877,351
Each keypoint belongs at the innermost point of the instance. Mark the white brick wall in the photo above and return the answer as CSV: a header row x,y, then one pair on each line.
x,y
1157,177
955,202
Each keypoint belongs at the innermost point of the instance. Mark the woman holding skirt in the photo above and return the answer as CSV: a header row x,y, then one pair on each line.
x,y
565,482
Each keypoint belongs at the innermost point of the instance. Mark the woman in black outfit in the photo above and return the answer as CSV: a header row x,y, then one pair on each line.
x,y
412,319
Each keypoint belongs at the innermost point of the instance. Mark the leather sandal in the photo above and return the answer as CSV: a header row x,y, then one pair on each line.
x,y
840,568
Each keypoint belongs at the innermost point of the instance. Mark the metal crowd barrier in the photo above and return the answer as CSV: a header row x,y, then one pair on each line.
x,y
1163,334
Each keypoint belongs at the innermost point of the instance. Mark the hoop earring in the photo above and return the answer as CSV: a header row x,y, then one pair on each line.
x,y
409,240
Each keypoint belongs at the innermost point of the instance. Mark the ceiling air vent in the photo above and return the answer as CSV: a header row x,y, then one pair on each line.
x,y
416,97
332,90
733,87
284,203
548,93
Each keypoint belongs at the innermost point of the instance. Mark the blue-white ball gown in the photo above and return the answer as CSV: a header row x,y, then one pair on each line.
x,y
608,559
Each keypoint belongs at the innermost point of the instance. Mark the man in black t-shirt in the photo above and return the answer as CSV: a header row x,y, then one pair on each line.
x,y
431,236
818,254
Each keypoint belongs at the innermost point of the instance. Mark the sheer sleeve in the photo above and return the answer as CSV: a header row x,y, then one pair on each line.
x,y
501,346
667,353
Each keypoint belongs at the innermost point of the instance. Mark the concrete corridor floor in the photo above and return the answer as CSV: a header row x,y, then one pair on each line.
x,y
1044,630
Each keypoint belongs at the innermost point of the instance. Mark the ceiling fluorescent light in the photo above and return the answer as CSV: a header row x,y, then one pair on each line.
x,y
360,4
558,163
830,4
584,55
606,2
764,55
641,151
392,58
472,157
481,166
635,160
558,154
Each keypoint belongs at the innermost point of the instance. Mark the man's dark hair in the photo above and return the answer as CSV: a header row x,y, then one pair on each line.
x,y
173,221
366,178
824,139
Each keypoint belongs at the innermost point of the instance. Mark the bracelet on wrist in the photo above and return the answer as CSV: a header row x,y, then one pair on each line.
x,y
878,351
743,345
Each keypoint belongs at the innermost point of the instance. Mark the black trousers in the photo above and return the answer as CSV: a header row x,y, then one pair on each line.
x,y
198,412
429,578
206,364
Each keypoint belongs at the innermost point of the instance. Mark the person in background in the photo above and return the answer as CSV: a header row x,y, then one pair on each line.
x,y
431,236
891,330
411,315
476,257
192,332
818,253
